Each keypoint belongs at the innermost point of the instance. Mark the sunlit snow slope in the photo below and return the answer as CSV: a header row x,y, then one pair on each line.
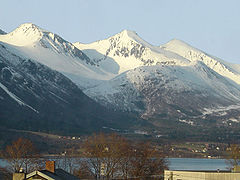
x,y
160,80
125,51
55,52
225,69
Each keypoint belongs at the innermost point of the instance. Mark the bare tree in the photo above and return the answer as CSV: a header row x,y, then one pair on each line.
x,y
112,156
125,162
21,154
146,161
104,153
67,161
84,172
233,155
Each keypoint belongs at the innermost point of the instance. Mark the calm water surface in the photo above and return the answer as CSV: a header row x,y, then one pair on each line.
x,y
185,164
197,164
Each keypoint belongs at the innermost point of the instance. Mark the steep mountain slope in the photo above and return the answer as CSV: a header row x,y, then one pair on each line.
x,y
34,97
53,51
171,81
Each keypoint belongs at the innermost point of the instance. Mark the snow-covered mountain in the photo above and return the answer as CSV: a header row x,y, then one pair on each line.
x,y
35,97
174,79
125,51
129,51
167,83
124,72
53,51
223,68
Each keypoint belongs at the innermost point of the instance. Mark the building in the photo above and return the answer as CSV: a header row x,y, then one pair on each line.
x,y
201,175
50,173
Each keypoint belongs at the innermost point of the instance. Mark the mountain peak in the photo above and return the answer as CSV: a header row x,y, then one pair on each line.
x,y
125,35
25,34
128,35
28,29
176,42
178,46
29,25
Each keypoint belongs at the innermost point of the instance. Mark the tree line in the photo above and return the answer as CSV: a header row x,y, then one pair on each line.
x,y
104,156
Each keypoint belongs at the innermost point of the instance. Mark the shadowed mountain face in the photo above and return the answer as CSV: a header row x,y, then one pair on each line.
x,y
2,32
34,97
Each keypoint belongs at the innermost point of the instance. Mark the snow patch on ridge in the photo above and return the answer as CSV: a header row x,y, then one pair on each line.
x,y
186,121
208,111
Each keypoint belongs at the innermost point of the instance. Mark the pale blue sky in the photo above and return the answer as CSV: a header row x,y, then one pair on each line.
x,y
210,25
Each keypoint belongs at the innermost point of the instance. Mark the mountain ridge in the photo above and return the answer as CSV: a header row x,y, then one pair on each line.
x,y
174,53
29,34
173,83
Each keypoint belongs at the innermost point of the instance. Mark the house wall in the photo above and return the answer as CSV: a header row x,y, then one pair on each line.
x,y
18,176
183,175
223,176
188,175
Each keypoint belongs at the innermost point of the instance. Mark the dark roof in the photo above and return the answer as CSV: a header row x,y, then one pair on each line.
x,y
60,174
